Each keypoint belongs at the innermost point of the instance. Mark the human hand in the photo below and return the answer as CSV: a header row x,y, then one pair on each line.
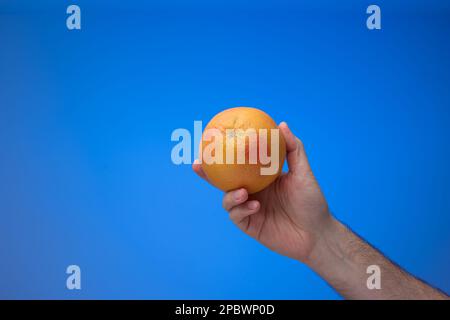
x,y
290,214
291,217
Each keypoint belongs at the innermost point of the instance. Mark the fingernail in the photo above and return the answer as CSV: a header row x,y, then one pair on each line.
x,y
238,195
252,205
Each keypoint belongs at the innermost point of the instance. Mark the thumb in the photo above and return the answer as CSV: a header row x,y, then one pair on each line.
x,y
295,151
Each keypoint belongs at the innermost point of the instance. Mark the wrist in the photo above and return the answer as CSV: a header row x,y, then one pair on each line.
x,y
326,244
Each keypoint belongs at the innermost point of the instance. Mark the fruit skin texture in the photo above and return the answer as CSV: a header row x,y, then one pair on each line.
x,y
229,177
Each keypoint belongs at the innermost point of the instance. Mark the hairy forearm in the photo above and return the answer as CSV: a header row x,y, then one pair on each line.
x,y
342,258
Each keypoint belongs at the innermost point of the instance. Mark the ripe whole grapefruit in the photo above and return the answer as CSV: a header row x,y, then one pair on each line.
x,y
237,128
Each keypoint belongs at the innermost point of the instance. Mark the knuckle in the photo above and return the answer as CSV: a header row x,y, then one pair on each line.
x,y
226,202
234,213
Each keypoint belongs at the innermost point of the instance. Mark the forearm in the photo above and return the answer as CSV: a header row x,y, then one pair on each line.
x,y
342,258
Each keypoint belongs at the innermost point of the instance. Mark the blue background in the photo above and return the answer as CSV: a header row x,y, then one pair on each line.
x,y
86,117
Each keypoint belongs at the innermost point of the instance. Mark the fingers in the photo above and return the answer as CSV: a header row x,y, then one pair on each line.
x,y
234,198
197,167
296,157
239,213
290,139
235,202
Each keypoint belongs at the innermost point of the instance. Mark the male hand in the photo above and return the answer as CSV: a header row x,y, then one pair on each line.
x,y
290,214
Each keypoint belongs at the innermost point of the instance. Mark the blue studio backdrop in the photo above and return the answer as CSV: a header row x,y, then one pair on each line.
x,y
86,117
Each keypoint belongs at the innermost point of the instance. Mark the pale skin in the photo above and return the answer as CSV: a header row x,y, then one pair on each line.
x,y
292,217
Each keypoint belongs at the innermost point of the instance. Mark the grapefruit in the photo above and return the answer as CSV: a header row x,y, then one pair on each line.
x,y
235,131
